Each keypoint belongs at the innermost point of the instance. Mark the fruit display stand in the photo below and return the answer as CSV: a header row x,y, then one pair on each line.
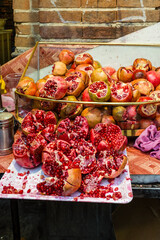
x,y
24,103
108,54
115,55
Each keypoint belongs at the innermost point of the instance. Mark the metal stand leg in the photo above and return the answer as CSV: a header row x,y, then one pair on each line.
x,y
15,219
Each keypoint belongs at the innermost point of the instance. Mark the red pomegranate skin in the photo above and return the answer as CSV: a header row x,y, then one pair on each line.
x,y
146,110
28,154
55,87
66,56
84,58
86,98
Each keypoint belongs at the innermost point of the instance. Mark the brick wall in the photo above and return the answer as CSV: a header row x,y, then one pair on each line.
x,y
80,20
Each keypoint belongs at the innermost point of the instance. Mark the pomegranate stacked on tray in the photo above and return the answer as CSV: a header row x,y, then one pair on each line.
x,y
83,78
77,144
72,155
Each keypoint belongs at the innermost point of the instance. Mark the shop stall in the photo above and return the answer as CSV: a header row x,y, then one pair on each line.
x,y
126,106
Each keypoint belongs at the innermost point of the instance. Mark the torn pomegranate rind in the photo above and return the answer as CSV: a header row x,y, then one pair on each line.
x,y
64,186
113,165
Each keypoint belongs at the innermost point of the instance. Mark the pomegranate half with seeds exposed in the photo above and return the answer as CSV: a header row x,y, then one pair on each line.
x,y
107,137
75,85
88,68
27,150
82,74
37,120
85,159
55,87
111,162
121,92
147,110
91,182
71,131
69,183
57,163
99,91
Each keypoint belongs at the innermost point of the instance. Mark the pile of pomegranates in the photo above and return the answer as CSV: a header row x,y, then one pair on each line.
x,y
81,78
73,156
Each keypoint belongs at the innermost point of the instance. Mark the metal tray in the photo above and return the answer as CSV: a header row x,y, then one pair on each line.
x,y
22,179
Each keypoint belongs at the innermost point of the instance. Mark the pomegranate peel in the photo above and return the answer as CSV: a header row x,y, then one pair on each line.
x,y
75,85
73,181
99,91
55,87
111,162
66,56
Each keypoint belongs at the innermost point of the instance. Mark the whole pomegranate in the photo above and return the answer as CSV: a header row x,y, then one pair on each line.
x,y
144,123
27,86
69,109
153,77
59,69
124,74
86,98
131,112
93,116
66,56
156,121
99,75
96,64
110,70
129,124
107,119
40,83
142,64
119,113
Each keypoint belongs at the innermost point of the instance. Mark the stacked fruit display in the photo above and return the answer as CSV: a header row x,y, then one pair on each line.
x,y
81,78
72,156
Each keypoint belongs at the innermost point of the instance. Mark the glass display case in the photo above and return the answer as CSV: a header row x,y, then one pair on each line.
x,y
114,55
